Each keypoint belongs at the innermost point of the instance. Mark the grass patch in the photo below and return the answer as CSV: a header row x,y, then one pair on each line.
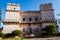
x,y
13,38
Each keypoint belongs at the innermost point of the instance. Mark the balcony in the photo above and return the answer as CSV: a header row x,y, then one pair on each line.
x,y
30,22
10,20
49,20
39,21
18,21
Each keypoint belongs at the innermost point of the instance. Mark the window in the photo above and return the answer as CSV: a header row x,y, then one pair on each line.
x,y
37,29
30,19
14,8
29,24
23,29
36,19
44,8
30,30
23,19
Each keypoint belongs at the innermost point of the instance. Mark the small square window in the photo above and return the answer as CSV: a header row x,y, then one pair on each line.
x,y
36,19
14,8
30,19
23,19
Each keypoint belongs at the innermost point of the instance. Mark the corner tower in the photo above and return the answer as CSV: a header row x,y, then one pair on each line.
x,y
47,14
11,21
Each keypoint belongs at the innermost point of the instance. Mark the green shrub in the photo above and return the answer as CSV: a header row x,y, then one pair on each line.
x,y
8,35
50,30
58,34
1,34
16,32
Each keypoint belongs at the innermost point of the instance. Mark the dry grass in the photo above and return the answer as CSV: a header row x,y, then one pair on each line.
x,y
13,39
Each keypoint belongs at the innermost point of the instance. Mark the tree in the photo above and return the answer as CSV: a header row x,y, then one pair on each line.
x,y
50,30
16,32
1,29
57,26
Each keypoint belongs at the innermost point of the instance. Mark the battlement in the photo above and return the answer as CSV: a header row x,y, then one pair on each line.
x,y
46,6
13,4
49,4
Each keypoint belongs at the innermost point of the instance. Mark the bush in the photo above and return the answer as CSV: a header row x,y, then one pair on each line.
x,y
58,34
16,32
7,35
4,35
50,30
1,34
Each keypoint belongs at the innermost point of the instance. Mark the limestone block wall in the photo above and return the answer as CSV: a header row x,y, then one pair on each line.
x,y
12,11
28,15
32,26
23,26
9,28
47,15
13,6
44,24
46,6
12,15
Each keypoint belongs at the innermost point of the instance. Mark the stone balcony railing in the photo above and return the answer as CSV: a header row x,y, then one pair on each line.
x,y
15,20
49,20
30,22
10,20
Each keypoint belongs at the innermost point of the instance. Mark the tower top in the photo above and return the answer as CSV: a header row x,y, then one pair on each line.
x,y
46,6
13,4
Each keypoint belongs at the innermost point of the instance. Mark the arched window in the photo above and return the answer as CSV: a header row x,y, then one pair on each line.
x,y
36,19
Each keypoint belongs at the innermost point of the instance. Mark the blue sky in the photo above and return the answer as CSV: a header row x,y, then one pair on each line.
x,y
30,5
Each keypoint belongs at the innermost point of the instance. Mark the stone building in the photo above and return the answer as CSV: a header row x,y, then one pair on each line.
x,y
28,21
